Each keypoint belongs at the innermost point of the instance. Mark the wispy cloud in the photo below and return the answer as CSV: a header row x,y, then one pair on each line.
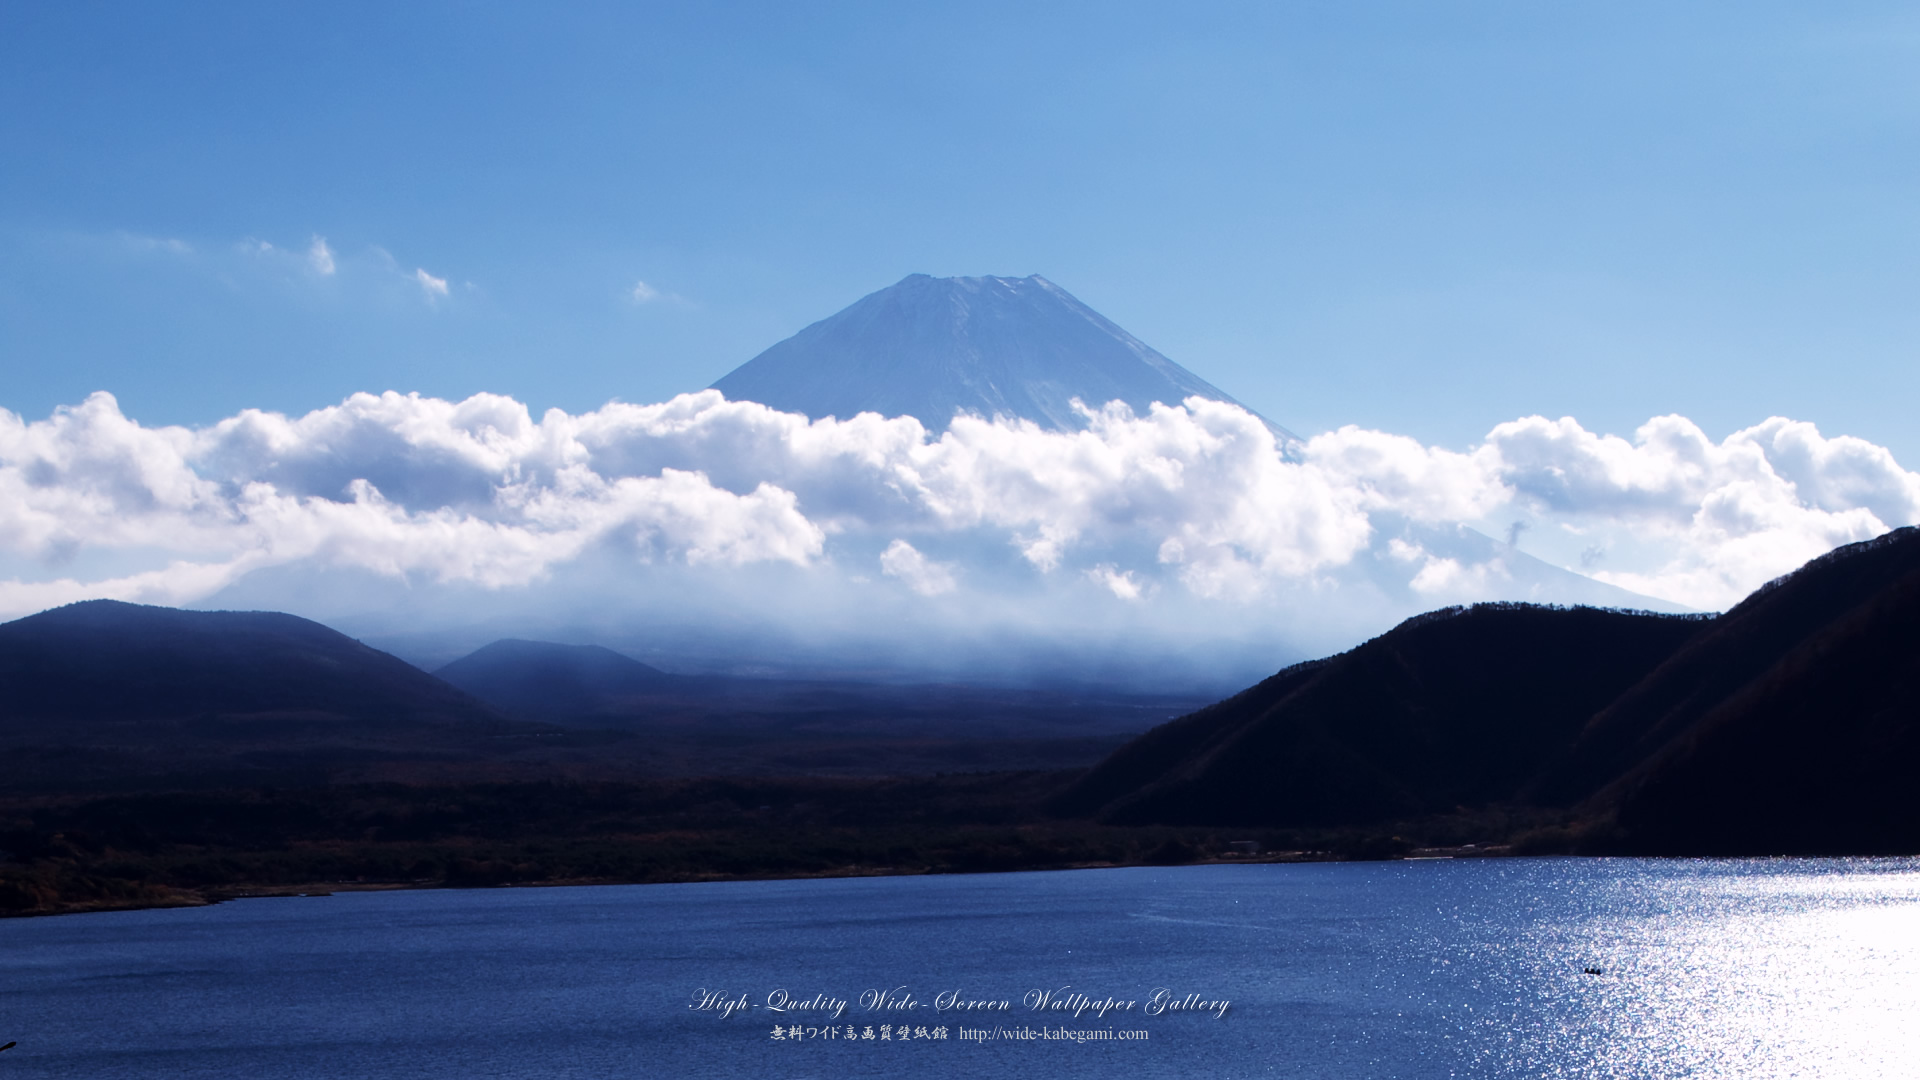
x,y
169,244
648,294
434,287
367,275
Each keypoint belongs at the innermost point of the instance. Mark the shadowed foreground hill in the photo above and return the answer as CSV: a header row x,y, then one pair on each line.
x,y
1456,707
1791,727
1790,724
1740,648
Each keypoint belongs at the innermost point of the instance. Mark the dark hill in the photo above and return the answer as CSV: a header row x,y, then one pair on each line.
x,y
541,678
1791,727
103,695
103,660
1741,647
1460,707
1788,725
1151,758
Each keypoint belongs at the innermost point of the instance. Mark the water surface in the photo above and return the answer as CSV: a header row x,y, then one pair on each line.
x,y
1469,968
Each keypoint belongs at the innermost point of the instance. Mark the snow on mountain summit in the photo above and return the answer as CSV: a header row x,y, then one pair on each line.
x,y
932,347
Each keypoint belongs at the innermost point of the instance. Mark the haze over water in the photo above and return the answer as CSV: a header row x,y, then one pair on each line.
x,y
1766,968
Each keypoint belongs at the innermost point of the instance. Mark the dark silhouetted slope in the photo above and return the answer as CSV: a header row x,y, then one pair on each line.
x,y
1153,756
931,347
1742,646
541,678
1460,707
103,660
1816,756
1790,724
1792,727
104,695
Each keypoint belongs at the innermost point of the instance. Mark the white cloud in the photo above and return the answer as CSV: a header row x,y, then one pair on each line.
x,y
1191,501
1121,583
89,476
320,258
1732,515
644,293
921,574
1401,551
1396,473
429,284
1442,580
1206,476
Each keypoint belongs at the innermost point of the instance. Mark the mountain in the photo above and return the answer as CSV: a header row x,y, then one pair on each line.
x,y
1024,347
1509,574
103,692
106,696
931,347
1791,727
107,661
1788,725
1461,706
1742,647
544,678
720,724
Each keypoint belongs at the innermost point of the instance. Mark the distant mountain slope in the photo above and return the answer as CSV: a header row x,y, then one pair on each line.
x,y
930,347
1457,707
102,660
539,678
106,696
1514,575
598,687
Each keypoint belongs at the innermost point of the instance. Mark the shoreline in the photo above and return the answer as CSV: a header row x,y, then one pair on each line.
x,y
209,897
195,848
214,896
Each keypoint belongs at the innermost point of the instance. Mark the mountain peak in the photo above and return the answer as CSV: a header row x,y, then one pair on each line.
x,y
932,347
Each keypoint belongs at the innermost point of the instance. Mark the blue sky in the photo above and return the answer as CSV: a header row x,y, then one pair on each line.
x,y
1428,220
1423,218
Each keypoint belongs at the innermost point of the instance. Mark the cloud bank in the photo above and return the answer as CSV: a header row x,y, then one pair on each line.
x,y
1189,506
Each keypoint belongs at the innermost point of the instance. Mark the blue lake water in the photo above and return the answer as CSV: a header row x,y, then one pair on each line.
x,y
1468,968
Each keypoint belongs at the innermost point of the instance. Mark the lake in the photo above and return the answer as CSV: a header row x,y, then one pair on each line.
x,y
1467,968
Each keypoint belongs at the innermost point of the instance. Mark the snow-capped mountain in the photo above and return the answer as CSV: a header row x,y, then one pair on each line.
x,y
931,347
